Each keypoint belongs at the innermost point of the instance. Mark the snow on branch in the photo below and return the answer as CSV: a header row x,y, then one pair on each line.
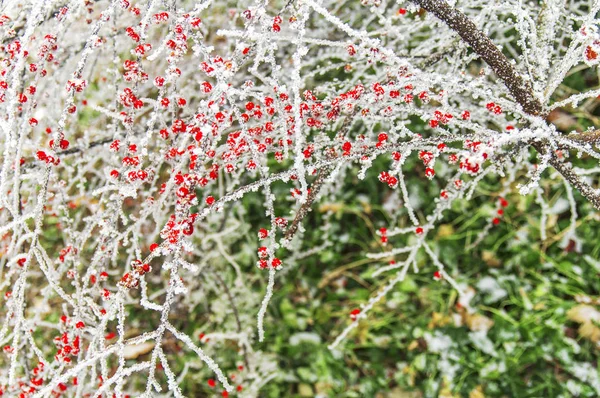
x,y
147,145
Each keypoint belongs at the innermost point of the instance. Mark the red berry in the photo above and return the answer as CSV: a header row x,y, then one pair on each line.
x,y
206,87
590,54
262,233
392,182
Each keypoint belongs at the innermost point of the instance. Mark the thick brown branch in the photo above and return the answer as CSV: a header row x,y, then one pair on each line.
x,y
568,174
518,87
588,137
306,206
584,188
487,50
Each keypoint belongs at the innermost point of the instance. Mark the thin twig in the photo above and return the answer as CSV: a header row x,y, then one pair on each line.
x,y
236,314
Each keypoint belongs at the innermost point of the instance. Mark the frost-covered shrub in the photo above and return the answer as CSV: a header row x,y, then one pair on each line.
x,y
132,132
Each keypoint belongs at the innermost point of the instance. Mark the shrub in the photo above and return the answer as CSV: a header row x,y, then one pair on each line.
x,y
160,161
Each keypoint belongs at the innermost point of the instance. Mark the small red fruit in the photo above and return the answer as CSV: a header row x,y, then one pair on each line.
x,y
262,233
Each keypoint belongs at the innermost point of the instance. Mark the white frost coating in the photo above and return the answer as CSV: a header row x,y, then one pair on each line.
x,y
263,307
482,342
438,342
491,287
136,138
400,275
206,359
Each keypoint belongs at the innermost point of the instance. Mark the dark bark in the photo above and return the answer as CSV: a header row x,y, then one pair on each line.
x,y
588,137
307,206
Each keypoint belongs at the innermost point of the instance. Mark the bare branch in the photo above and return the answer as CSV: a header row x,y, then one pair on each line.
x,y
588,137
306,206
